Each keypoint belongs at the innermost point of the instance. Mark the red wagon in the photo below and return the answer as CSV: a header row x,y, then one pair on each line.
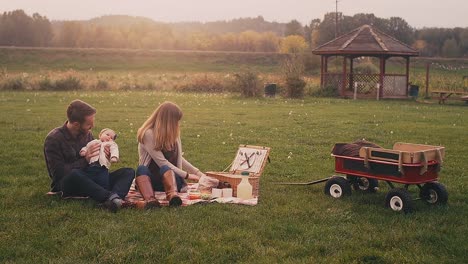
x,y
407,164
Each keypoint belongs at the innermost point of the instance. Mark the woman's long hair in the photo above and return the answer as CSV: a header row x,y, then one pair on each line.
x,y
165,124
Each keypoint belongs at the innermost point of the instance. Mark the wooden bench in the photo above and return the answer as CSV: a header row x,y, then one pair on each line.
x,y
444,95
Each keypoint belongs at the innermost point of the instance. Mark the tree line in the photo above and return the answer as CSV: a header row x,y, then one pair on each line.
x,y
244,34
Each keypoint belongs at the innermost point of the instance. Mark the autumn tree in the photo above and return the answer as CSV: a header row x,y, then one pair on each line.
x,y
70,34
293,44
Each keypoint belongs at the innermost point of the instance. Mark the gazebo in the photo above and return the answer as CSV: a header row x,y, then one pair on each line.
x,y
365,41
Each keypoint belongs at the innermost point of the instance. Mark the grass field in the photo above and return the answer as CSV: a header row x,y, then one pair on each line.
x,y
291,224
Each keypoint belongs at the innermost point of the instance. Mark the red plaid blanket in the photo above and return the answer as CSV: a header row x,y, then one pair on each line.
x,y
134,196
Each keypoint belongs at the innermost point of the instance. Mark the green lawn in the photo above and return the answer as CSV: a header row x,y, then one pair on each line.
x,y
291,224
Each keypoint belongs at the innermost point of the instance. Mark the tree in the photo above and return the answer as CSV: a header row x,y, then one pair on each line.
x,y
420,45
70,34
42,31
326,29
293,44
293,28
450,48
248,40
268,42
16,29
464,42
399,29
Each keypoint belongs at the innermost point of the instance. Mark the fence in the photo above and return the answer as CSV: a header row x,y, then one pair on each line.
x,y
366,85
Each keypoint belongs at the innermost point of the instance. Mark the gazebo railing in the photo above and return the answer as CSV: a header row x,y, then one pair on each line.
x,y
394,85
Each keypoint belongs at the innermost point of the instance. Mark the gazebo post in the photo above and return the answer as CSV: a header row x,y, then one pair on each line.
x,y
351,75
343,85
407,73
381,75
325,71
321,72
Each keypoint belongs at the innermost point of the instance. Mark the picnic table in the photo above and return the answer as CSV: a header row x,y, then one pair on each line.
x,y
444,95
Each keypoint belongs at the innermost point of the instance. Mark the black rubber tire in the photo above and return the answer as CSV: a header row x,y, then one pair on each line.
x,y
337,187
398,200
434,193
364,184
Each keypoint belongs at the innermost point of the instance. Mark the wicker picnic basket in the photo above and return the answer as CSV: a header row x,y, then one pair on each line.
x,y
248,159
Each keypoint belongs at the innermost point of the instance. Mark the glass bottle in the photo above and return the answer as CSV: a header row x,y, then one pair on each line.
x,y
244,189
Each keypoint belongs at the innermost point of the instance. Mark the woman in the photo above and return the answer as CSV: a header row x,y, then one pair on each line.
x,y
161,165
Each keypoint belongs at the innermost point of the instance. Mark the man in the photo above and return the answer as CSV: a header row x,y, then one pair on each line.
x,y
67,168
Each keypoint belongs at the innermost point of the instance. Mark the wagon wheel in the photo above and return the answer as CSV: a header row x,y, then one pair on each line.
x,y
363,184
434,193
399,199
337,187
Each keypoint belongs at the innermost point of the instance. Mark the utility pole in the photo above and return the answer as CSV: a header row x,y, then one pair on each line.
x,y
336,18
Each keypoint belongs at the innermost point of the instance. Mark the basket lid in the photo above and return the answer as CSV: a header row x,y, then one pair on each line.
x,y
251,159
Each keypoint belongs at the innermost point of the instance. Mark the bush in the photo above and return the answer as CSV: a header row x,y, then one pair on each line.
x,y
15,84
46,84
67,84
102,85
327,91
293,68
248,83
295,86
203,84
150,86
127,86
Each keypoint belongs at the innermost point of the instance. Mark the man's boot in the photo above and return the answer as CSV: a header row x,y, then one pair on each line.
x,y
113,203
143,183
170,187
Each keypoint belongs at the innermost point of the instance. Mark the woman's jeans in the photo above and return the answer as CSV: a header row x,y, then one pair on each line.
x,y
156,180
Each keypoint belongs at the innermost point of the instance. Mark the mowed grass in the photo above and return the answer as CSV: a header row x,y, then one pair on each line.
x,y
291,224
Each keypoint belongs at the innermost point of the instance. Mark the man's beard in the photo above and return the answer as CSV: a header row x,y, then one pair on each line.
x,y
82,132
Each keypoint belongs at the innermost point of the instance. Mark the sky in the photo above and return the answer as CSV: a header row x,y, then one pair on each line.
x,y
418,13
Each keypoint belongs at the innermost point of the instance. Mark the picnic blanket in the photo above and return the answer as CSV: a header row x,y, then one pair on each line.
x,y
134,196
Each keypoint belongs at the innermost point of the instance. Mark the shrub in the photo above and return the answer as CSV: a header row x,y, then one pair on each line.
x,y
46,84
327,91
3,73
15,84
127,86
293,68
295,86
102,85
149,86
248,83
68,83
203,84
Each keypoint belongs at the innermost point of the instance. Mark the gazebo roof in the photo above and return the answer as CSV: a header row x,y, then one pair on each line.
x,y
363,41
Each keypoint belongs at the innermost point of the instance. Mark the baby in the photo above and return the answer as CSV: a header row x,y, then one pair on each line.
x,y
99,165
